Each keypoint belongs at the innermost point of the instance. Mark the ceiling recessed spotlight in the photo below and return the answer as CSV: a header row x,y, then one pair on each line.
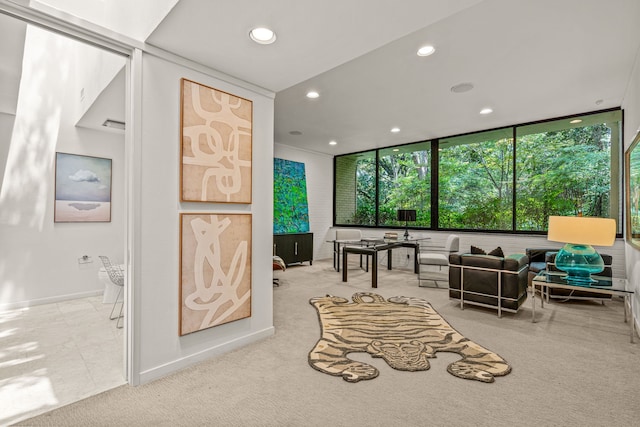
x,y
333,143
462,87
426,50
599,101
262,35
395,129
486,111
312,94
574,121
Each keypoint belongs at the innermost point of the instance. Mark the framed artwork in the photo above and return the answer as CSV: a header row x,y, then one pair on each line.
x,y
82,189
290,207
632,192
215,269
216,145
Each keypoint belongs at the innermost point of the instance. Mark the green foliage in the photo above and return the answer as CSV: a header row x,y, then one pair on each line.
x,y
564,172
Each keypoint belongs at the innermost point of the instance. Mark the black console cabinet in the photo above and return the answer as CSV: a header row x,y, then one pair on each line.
x,y
294,248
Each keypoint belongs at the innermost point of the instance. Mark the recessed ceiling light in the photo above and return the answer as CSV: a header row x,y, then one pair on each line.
x,y
462,87
312,94
262,35
574,121
395,129
332,143
486,110
426,50
599,101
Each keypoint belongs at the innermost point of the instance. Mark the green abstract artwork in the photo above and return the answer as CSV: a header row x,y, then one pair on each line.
x,y
290,207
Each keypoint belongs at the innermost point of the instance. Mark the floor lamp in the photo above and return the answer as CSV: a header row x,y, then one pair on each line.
x,y
406,215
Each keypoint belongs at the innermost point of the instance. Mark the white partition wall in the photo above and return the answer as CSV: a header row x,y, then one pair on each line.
x,y
158,348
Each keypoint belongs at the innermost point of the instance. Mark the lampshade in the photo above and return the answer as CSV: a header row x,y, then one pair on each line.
x,y
582,230
406,214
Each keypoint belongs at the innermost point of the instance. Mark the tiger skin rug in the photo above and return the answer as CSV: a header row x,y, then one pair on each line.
x,y
404,331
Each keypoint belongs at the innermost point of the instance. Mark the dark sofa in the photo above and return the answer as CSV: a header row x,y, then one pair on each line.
x,y
489,281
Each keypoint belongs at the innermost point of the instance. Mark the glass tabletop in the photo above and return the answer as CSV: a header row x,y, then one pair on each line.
x,y
601,282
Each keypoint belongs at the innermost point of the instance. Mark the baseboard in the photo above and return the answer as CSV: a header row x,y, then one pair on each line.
x,y
182,363
49,300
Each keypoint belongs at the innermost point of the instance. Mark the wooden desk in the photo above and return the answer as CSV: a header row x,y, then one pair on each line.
x,y
372,251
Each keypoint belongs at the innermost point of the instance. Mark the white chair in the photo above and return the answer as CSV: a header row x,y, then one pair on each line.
x,y
437,256
117,278
344,237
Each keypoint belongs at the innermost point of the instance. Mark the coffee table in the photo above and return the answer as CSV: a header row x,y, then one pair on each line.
x,y
603,285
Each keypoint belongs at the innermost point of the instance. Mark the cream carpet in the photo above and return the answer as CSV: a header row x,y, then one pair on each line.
x,y
574,367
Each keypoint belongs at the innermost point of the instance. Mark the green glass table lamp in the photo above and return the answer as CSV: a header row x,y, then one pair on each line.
x,y
578,257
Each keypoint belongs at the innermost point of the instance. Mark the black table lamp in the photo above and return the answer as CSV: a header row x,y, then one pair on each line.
x,y
406,215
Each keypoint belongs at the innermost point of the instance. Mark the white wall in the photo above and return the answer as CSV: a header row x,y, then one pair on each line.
x,y
39,258
631,106
319,171
159,349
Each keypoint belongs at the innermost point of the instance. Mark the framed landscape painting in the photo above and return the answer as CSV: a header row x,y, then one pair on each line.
x,y
82,189
215,270
216,145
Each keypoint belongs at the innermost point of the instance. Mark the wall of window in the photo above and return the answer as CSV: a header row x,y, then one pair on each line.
x,y
509,179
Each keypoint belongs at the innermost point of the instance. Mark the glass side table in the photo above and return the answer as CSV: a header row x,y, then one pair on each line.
x,y
546,280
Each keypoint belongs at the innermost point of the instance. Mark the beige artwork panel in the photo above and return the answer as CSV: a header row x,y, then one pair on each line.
x,y
216,145
215,269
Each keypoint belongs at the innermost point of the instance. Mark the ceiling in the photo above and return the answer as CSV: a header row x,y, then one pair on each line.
x,y
527,59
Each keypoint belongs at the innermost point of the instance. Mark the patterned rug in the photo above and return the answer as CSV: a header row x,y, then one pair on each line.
x,y
404,331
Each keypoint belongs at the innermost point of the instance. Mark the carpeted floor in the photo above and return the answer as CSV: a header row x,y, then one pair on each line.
x,y
574,367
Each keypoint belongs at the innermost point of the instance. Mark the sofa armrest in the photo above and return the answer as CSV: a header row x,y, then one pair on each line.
x,y
515,262
538,254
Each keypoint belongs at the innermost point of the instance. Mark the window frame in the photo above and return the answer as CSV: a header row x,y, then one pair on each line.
x,y
616,164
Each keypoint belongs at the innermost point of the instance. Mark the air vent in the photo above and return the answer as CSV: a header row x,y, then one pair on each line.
x,y
114,124
462,87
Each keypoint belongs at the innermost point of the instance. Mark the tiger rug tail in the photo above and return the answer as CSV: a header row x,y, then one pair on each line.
x,y
404,331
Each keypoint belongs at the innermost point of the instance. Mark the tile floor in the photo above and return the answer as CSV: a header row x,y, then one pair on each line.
x,y
55,354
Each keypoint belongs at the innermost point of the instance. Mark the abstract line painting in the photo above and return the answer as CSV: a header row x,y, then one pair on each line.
x,y
215,269
290,207
83,189
216,145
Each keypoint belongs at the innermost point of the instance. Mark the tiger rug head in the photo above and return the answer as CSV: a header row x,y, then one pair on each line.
x,y
404,331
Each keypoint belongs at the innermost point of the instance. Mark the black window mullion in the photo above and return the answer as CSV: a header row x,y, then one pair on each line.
x,y
435,166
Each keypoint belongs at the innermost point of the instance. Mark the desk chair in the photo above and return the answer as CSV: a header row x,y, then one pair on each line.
x,y
343,237
437,256
278,264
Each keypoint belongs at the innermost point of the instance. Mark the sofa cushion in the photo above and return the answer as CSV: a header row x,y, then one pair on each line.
x,y
479,251
497,252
